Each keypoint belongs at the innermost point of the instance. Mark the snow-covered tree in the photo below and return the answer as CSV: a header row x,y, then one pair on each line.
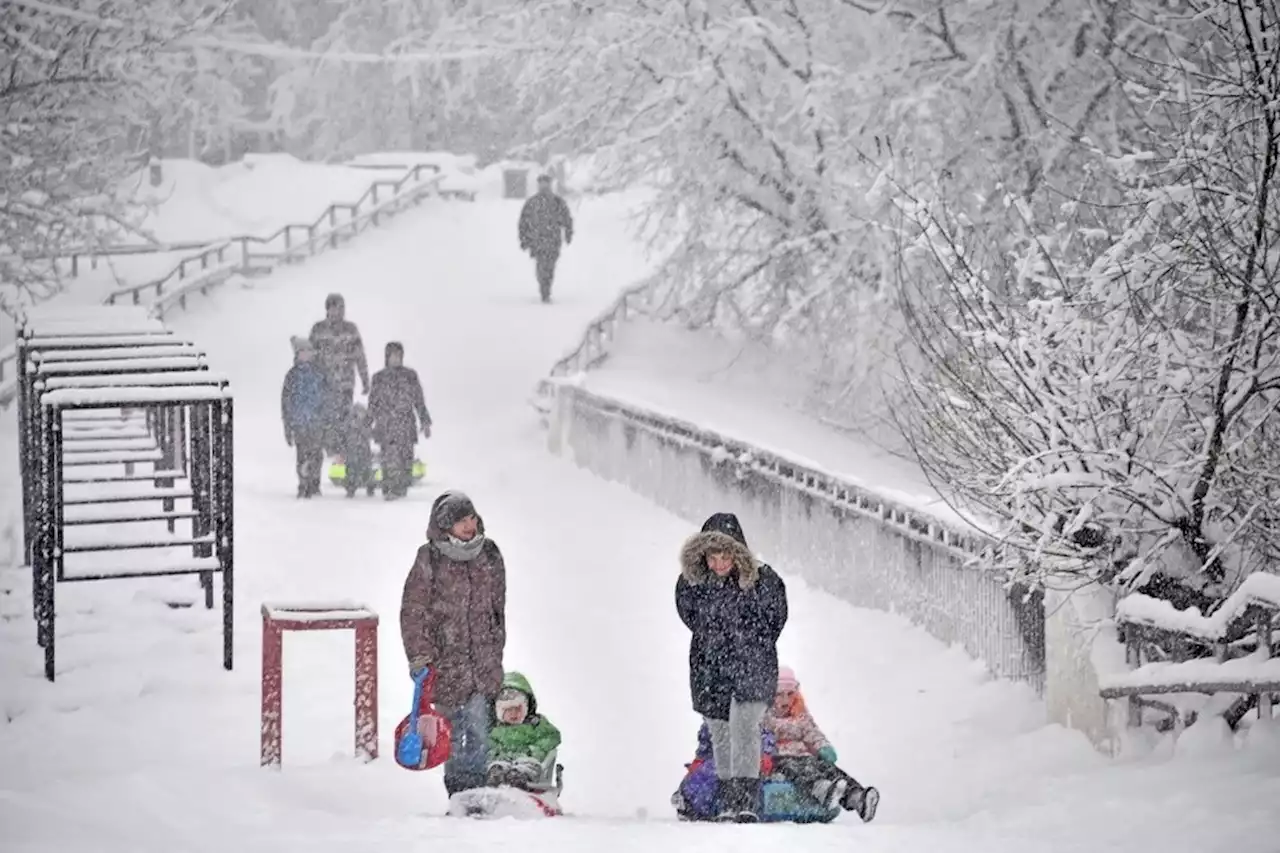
x,y
84,89
763,127
1108,387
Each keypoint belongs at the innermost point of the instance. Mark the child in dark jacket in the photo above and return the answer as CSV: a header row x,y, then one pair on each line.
x,y
357,451
303,402
399,410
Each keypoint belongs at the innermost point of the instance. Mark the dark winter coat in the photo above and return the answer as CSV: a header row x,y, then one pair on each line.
x,y
542,220
453,619
397,406
735,621
304,398
340,351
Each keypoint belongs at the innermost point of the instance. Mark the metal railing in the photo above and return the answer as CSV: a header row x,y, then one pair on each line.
x,y
251,255
866,549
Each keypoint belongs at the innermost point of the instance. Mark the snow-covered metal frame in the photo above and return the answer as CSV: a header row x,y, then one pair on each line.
x,y
847,540
249,255
204,404
318,616
46,348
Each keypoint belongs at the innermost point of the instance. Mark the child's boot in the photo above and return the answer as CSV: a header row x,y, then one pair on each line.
x,y
864,801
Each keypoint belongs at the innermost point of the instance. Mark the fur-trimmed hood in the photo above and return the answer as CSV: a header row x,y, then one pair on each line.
x,y
693,558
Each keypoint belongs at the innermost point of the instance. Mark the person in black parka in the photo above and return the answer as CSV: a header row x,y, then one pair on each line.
x,y
735,607
544,219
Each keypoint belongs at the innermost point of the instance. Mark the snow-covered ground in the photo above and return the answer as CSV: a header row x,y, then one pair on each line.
x,y
146,744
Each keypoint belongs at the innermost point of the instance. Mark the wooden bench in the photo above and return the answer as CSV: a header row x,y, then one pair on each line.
x,y
1242,633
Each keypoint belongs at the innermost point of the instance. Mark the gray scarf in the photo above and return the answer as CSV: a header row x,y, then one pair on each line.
x,y
458,551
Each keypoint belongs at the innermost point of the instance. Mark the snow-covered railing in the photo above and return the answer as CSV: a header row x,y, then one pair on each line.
x,y
593,348
1242,633
860,546
248,255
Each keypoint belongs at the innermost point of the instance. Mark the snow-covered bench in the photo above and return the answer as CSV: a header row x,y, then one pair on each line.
x,y
1242,631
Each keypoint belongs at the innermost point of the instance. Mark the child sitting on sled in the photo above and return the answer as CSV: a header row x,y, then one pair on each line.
x,y
806,758
521,739
697,798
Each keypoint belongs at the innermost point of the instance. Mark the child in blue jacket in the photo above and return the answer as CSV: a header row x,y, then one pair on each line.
x,y
303,402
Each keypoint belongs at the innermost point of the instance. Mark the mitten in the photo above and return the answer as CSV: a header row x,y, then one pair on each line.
x,y
288,439
828,754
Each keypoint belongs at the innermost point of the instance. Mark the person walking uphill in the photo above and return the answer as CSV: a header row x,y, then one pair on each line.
x,y
304,400
398,409
543,218
340,352
735,608
453,620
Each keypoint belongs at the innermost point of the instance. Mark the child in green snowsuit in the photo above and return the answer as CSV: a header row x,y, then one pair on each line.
x,y
521,739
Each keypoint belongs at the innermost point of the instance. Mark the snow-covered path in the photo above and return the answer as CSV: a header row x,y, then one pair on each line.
x,y
145,744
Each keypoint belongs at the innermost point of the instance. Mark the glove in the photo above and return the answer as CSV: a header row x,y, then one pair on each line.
x,y
426,430
415,672
828,754
288,439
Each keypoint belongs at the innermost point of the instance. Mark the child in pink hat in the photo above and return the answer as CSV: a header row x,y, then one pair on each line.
x,y
804,756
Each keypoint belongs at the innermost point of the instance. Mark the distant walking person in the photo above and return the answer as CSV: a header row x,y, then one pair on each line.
x,y
340,353
543,219
398,410
304,401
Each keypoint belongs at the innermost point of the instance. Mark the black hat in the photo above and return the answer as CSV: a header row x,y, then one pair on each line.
x,y
334,300
726,523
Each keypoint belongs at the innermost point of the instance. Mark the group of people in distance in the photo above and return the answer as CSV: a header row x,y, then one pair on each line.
x,y
755,724
322,416
318,406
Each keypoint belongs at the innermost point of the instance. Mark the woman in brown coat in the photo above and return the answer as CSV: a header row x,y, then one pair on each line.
x,y
453,619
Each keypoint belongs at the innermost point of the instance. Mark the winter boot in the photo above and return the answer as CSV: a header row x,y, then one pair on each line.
x,y
830,793
740,801
864,801
752,801
727,801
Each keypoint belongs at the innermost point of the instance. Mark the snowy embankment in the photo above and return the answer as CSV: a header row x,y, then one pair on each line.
x,y
145,744
744,392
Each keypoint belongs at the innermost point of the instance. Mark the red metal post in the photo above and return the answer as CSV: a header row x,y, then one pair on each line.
x,y
272,690
367,690
278,619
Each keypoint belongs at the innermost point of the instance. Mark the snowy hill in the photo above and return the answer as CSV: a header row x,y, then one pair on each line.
x,y
145,744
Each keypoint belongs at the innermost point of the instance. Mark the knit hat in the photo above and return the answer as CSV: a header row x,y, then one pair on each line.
x,y
334,300
392,348
787,680
301,344
451,508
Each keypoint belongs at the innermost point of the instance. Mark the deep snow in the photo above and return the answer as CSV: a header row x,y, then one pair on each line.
x,y
146,744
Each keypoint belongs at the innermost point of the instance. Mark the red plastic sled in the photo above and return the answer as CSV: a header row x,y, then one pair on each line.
x,y
436,731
